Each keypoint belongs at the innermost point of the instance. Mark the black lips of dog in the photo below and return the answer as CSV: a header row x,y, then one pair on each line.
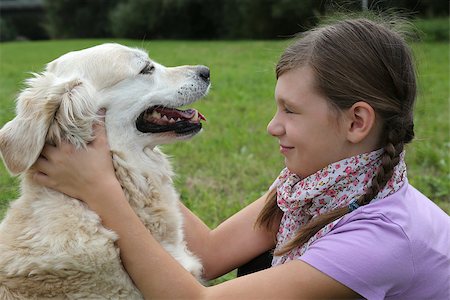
x,y
184,126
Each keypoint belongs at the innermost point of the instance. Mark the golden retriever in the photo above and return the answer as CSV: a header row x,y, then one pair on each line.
x,y
53,246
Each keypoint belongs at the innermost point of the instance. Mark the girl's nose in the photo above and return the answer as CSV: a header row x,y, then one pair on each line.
x,y
275,128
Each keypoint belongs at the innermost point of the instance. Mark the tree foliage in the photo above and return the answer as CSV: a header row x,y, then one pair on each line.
x,y
210,19
203,19
78,18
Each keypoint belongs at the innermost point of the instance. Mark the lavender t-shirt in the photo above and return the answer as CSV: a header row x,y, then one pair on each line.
x,y
394,248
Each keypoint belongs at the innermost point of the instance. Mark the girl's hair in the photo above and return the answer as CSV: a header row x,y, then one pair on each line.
x,y
355,60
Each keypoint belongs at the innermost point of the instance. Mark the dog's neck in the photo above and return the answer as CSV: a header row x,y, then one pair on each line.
x,y
142,169
147,162
147,184
132,148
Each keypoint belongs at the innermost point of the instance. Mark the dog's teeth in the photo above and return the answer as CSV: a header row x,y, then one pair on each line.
x,y
178,119
171,121
195,117
156,115
164,118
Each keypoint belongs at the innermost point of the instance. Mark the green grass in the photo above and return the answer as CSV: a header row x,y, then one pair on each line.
x,y
234,160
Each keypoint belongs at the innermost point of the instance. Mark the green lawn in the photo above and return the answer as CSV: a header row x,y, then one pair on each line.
x,y
234,160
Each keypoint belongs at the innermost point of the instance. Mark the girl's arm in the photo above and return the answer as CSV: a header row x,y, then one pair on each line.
x,y
232,243
159,276
89,175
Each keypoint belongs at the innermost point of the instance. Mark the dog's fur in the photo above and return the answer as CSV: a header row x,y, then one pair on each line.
x,y
53,246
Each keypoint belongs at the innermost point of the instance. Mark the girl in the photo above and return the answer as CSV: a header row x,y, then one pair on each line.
x,y
341,216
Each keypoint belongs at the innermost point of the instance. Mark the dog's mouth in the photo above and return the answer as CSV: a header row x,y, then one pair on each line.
x,y
160,119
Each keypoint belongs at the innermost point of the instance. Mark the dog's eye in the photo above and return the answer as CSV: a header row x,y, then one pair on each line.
x,y
148,69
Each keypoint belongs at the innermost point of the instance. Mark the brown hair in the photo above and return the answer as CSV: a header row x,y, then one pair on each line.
x,y
355,60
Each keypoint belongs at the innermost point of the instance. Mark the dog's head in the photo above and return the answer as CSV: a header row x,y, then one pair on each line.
x,y
140,95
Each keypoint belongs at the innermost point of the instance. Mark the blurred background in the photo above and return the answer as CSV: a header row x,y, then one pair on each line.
x,y
190,19
234,160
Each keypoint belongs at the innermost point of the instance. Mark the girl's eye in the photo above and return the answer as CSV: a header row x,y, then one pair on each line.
x,y
286,110
148,69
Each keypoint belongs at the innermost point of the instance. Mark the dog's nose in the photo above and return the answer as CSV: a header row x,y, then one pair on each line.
x,y
204,73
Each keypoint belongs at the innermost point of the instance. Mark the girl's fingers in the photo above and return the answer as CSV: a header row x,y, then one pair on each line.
x,y
100,134
102,112
99,130
72,171
47,151
41,165
40,170
42,179
58,154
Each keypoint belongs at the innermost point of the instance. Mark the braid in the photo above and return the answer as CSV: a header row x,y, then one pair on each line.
x,y
395,140
391,156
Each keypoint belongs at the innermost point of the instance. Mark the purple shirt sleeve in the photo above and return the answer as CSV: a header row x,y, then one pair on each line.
x,y
367,253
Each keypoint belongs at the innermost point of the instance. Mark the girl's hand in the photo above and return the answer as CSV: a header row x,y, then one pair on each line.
x,y
80,173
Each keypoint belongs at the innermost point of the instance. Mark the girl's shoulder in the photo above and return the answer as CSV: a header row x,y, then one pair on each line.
x,y
408,208
388,248
421,222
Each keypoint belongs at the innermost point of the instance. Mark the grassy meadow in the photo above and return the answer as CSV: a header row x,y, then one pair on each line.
x,y
233,161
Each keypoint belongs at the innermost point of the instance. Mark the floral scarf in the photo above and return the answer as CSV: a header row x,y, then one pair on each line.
x,y
334,186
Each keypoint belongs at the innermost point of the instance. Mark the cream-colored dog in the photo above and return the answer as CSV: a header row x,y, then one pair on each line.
x,y
53,246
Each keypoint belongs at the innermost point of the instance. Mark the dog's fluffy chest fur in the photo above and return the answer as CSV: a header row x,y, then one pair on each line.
x,y
54,246
151,195
66,255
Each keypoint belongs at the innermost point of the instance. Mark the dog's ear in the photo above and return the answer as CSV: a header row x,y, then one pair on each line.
x,y
47,111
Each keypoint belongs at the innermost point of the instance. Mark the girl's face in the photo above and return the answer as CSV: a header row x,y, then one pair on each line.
x,y
307,128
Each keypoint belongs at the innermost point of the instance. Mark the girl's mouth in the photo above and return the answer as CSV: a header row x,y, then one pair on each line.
x,y
285,149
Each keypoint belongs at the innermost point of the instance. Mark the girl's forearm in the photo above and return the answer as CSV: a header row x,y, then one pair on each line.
x,y
155,273
232,243
198,237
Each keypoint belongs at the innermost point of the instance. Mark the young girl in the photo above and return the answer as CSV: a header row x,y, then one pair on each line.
x,y
341,216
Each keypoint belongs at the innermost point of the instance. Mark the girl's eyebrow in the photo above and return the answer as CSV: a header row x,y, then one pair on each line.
x,y
287,102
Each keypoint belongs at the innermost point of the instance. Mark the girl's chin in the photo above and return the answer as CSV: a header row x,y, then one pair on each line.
x,y
292,168
296,169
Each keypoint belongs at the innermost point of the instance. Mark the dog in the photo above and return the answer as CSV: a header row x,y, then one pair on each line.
x,y
53,246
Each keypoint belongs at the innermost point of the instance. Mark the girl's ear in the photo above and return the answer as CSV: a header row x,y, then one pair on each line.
x,y
360,122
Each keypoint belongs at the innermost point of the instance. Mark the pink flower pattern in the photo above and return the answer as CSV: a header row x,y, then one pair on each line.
x,y
334,186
